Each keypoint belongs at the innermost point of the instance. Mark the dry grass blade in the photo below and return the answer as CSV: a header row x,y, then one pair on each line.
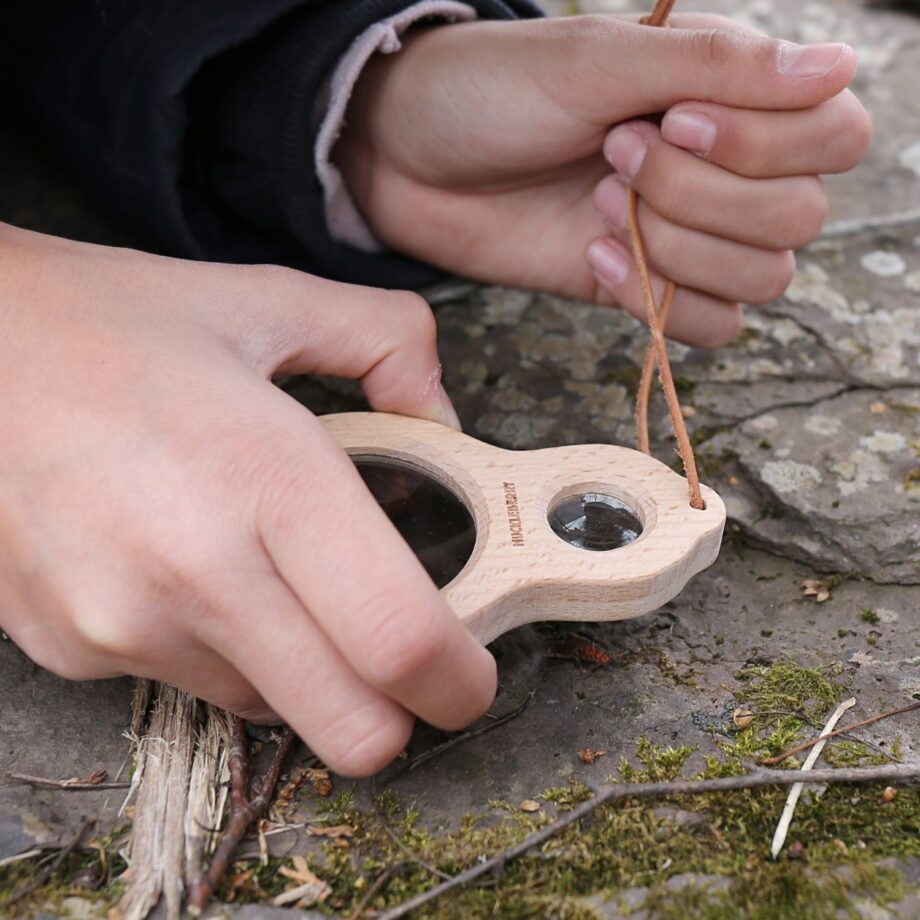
x,y
779,836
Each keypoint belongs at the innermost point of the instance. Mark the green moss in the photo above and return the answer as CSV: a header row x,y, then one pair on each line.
x,y
644,843
868,615
65,880
569,796
661,764
641,843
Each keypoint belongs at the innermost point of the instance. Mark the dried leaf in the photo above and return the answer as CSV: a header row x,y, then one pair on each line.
x,y
299,872
240,882
530,805
319,779
819,590
285,796
313,891
588,756
338,830
580,649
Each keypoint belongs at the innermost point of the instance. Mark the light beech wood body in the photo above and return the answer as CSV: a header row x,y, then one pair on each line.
x,y
520,571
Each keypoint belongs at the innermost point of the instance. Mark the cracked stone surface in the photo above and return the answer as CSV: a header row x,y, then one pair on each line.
x,y
808,425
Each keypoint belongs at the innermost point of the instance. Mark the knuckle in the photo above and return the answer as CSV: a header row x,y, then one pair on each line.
x,y
715,47
856,136
803,222
104,629
415,317
403,643
728,329
364,741
70,664
676,198
776,277
272,275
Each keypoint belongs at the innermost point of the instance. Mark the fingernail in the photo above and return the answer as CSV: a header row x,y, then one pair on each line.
x,y
608,260
447,414
690,130
808,60
611,202
625,150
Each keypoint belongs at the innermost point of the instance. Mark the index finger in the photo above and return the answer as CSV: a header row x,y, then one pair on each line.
x,y
334,546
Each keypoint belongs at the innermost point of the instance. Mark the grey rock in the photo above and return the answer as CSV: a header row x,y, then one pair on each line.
x,y
831,485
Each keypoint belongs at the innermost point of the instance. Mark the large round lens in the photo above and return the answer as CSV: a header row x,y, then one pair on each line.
x,y
594,521
434,522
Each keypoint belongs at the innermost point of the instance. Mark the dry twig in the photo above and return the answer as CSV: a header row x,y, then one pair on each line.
x,y
614,791
379,882
244,810
73,785
467,736
772,761
50,869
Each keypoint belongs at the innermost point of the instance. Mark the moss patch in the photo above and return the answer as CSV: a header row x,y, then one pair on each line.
x,y
662,845
90,874
689,856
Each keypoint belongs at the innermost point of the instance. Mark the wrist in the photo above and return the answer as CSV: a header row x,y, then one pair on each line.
x,y
389,138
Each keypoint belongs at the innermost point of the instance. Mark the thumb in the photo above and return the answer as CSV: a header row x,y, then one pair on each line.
x,y
385,339
663,66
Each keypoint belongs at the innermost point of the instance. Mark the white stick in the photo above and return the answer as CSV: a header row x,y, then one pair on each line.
x,y
19,857
779,838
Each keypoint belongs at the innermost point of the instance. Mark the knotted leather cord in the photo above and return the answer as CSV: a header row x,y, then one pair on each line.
x,y
657,351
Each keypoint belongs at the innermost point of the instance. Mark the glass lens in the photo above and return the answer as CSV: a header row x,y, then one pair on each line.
x,y
431,519
594,521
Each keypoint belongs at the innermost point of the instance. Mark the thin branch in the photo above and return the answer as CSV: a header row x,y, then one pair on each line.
x,y
412,856
21,857
51,868
772,761
613,791
844,733
379,882
244,811
467,736
69,784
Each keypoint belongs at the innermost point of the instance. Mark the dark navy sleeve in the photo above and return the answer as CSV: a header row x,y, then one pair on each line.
x,y
191,120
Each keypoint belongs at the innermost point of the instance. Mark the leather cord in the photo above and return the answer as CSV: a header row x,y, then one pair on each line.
x,y
657,352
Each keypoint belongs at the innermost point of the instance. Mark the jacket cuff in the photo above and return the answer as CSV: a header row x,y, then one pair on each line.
x,y
258,129
343,219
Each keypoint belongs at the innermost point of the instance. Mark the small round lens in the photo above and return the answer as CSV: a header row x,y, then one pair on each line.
x,y
594,521
434,522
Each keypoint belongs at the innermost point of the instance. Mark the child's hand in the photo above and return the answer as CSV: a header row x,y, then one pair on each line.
x,y
486,148
165,511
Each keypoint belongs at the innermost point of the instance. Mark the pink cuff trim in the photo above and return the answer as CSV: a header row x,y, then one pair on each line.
x,y
345,223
